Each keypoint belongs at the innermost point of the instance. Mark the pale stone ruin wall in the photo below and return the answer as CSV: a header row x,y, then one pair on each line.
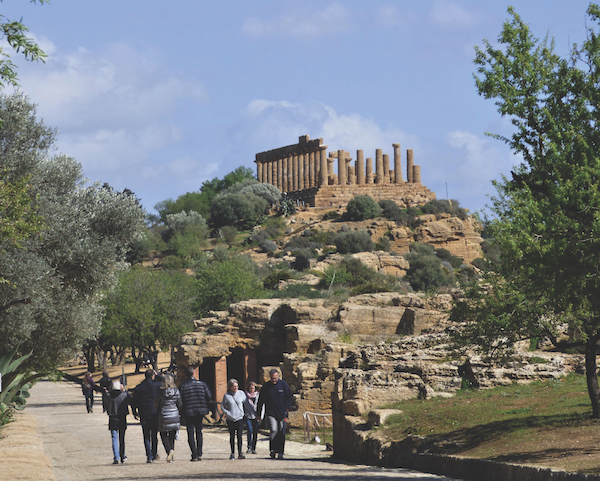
x,y
306,172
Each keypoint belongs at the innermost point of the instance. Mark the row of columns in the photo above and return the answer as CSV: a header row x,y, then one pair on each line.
x,y
295,172
313,169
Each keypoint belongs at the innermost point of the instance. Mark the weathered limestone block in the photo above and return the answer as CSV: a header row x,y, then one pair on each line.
x,y
363,320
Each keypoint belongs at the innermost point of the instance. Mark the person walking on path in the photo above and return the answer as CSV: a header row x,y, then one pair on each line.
x,y
105,384
144,397
251,419
277,398
168,404
87,388
118,408
195,396
235,405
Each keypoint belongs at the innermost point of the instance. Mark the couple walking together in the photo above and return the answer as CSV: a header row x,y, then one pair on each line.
x,y
275,399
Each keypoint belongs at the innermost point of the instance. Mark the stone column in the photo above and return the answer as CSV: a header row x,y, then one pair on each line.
x,y
416,174
323,165
294,172
279,174
386,169
378,166
259,171
289,174
301,172
311,170
269,173
342,168
306,172
397,164
369,175
410,161
360,168
351,176
274,175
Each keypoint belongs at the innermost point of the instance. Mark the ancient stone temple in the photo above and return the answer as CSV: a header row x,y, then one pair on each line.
x,y
307,172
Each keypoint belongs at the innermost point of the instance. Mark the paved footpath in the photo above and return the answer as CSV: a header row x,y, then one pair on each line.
x,y
80,448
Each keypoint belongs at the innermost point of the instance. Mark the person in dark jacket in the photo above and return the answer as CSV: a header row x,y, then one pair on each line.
x,y
195,397
118,408
144,397
105,385
87,389
168,404
277,398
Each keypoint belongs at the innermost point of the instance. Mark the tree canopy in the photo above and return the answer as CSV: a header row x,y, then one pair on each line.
x,y
548,212
50,300
14,32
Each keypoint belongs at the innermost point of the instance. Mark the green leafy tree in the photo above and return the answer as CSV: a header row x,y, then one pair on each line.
x,y
49,303
15,34
148,310
225,282
547,227
362,207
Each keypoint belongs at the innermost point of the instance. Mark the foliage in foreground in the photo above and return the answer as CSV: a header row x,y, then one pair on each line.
x,y
547,227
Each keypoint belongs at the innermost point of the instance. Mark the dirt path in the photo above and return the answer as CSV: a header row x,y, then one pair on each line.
x,y
80,448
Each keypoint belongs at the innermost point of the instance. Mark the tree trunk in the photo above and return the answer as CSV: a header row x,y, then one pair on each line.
x,y
89,353
592,346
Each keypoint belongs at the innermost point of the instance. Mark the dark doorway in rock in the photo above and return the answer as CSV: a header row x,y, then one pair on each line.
x,y
236,366
206,371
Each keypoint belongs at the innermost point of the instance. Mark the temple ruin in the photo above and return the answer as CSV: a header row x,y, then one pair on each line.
x,y
306,172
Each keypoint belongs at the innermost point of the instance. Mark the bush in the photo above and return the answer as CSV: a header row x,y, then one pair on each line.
x,y
391,211
353,241
297,291
267,191
237,209
331,215
176,223
384,244
229,234
189,242
426,272
267,246
281,272
302,261
438,206
362,207
445,255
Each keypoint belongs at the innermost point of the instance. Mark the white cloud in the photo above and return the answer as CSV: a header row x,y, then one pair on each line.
x,y
452,14
301,23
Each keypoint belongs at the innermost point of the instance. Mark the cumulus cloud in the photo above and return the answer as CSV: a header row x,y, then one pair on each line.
x,y
116,111
301,22
267,124
452,14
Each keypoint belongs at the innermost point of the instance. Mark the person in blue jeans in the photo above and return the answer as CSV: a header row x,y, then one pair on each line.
x,y
143,404
277,398
251,419
195,397
118,408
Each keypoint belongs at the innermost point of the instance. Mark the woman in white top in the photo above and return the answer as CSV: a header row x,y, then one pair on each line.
x,y
235,405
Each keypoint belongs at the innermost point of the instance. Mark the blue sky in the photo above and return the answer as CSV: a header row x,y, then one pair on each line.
x,y
160,96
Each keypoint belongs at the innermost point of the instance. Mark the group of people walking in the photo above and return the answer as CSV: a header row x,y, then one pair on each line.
x,y
159,405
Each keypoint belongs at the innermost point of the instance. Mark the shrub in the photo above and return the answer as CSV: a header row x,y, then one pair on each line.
x,y
178,222
446,255
438,206
189,242
353,241
267,191
322,237
331,215
237,209
229,234
384,244
302,261
426,272
419,248
298,291
281,272
268,246
363,207
391,211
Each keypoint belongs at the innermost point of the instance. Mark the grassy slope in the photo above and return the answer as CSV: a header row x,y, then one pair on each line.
x,y
546,423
